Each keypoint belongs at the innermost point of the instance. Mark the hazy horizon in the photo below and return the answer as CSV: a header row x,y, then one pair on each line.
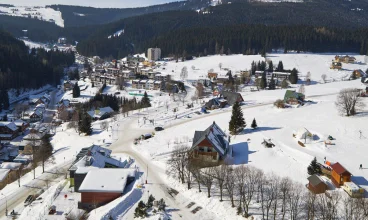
x,y
91,3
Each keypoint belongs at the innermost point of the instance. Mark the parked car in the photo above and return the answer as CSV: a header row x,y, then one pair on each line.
x,y
29,200
117,93
159,128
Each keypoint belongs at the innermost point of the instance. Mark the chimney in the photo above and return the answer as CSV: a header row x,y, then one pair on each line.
x,y
229,139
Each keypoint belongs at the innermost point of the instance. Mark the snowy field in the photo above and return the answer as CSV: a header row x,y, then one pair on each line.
x,y
86,92
287,159
316,64
42,13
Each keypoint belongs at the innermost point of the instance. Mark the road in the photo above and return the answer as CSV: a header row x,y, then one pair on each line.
x,y
17,197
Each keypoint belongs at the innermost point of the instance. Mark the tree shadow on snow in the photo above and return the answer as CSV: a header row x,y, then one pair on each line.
x,y
241,153
259,129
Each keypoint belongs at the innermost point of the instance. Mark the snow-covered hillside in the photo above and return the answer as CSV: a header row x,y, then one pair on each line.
x,y
316,64
41,13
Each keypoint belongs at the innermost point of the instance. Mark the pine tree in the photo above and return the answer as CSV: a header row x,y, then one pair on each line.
x,y
270,67
272,85
4,99
140,211
85,124
314,168
294,76
237,122
280,66
263,83
76,90
254,124
145,102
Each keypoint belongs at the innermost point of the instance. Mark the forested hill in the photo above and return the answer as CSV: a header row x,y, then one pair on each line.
x,y
80,16
21,69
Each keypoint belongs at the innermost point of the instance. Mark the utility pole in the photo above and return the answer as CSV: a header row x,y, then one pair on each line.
x,y
147,174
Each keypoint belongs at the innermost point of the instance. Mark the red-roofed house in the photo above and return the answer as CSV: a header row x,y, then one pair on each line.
x,y
339,175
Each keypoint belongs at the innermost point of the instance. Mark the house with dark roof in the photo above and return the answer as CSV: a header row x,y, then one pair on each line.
x,y
293,98
232,97
339,175
215,103
210,145
8,130
316,184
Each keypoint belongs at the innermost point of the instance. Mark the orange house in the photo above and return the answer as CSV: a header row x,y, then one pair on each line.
x,y
339,175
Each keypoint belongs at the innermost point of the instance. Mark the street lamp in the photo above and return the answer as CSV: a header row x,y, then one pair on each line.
x,y
6,204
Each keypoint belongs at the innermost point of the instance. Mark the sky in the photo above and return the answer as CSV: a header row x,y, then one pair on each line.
x,y
91,3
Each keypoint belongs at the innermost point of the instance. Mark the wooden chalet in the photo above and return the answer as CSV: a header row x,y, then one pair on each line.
x,y
8,130
210,145
345,59
212,76
316,185
339,175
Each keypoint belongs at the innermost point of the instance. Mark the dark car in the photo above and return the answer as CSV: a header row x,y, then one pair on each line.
x,y
117,93
159,128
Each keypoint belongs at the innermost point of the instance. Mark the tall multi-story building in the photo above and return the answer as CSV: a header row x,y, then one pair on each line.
x,y
154,54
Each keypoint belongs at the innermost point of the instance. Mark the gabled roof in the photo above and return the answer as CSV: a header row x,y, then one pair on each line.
x,y
339,169
10,125
106,180
215,136
292,94
231,97
19,122
315,180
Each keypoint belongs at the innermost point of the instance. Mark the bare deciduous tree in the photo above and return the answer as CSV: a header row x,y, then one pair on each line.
x,y
220,175
104,125
324,77
310,205
285,187
328,206
240,176
253,179
184,73
308,78
208,178
177,163
120,81
295,201
230,183
220,66
199,90
349,101
302,89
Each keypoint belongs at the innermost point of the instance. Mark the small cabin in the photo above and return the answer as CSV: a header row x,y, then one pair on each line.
x,y
339,175
353,190
336,65
316,185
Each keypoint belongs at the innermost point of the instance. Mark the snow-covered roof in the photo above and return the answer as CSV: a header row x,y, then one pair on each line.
x,y
303,133
10,165
99,113
34,136
10,125
157,82
3,174
19,122
215,135
106,180
84,170
41,105
151,81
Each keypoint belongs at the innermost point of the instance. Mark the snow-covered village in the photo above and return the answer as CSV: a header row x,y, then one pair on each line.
x,y
215,137
142,133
